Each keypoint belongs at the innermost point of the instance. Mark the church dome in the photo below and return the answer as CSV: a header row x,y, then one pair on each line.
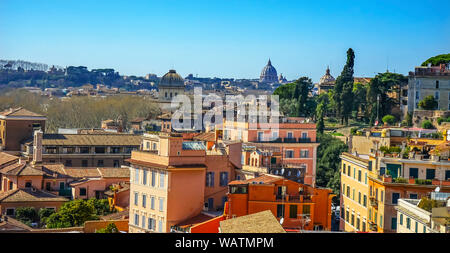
x,y
172,79
327,78
268,74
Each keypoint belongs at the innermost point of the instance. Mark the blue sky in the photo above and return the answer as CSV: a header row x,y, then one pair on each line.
x,y
225,38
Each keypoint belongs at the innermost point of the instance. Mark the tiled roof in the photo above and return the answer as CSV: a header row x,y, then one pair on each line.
x,y
19,112
265,179
137,120
21,169
210,136
262,222
6,158
91,140
28,195
194,220
114,172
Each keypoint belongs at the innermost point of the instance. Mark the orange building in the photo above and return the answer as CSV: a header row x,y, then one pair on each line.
x,y
301,206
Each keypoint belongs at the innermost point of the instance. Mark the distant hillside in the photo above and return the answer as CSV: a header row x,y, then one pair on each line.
x,y
15,64
438,59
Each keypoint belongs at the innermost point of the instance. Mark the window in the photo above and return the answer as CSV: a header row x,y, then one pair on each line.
x,y
144,200
83,191
144,177
135,198
136,219
116,164
48,186
436,95
28,184
289,153
359,175
100,163
210,179
348,191
417,95
431,173
370,165
359,197
343,168
100,150
401,219
353,194
153,178
353,219
306,209
408,223
304,135
395,197
364,226
280,211
304,153
414,172
424,229
290,135
223,178
354,172
357,223
160,225
84,150
394,223
115,150
365,178
151,224
136,176
62,185
343,189
162,178
152,203
417,227
161,204
413,196
347,216
143,221
447,174
84,163
293,211
10,211
382,196
274,135
260,136
68,163
365,200
348,170
437,84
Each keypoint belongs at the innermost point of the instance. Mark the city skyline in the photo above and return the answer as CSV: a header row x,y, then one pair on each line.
x,y
232,40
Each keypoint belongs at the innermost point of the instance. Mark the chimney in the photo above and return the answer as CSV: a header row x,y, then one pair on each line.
x,y
37,148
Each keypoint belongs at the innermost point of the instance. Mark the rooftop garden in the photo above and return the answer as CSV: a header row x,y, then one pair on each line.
x,y
428,204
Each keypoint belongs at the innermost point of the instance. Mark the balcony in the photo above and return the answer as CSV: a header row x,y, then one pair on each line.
x,y
65,192
294,198
373,202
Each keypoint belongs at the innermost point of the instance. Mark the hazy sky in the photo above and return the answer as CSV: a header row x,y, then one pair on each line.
x,y
225,38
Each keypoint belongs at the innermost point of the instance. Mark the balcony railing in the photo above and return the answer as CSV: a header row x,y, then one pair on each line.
x,y
65,192
287,140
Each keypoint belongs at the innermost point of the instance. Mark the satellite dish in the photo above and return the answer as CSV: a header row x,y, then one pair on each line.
x,y
281,221
437,189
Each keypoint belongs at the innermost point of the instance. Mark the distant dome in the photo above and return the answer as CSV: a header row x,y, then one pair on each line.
x,y
172,79
268,74
327,78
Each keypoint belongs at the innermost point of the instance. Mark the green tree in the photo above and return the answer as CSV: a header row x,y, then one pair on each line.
x,y
111,228
303,87
328,162
44,213
438,59
343,88
26,215
321,110
427,124
101,206
428,103
383,85
389,119
72,214
408,119
285,91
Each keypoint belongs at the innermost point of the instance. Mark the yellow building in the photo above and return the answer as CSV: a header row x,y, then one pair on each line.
x,y
354,192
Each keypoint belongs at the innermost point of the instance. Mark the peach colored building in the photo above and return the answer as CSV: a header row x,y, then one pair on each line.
x,y
176,182
288,148
301,206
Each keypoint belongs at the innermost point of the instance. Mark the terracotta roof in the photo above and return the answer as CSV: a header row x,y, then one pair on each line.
x,y
114,172
194,220
262,222
21,169
137,120
19,112
210,136
91,140
265,179
6,158
28,195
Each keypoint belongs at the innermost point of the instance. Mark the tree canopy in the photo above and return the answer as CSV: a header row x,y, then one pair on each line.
x,y
438,59
428,103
